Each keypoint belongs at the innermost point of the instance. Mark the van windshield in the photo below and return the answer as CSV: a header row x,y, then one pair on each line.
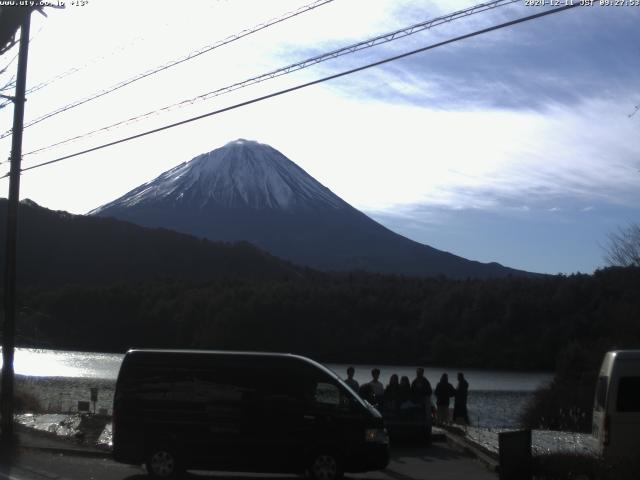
x,y
353,395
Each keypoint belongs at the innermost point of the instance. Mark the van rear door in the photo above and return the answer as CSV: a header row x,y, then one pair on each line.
x,y
624,410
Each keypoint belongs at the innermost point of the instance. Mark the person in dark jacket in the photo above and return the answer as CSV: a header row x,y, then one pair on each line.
x,y
366,392
352,382
376,384
421,389
460,414
391,393
404,391
444,391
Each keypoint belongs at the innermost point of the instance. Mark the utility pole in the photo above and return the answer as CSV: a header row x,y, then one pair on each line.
x,y
9,327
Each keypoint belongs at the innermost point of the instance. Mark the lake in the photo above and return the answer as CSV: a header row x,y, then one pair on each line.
x,y
59,379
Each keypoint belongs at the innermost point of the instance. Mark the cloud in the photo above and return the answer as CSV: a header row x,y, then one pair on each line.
x,y
564,59
537,111
492,160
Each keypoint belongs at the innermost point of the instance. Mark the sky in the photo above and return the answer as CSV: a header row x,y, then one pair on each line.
x,y
518,146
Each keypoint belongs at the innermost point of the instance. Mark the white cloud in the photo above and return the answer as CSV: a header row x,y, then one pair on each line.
x,y
379,154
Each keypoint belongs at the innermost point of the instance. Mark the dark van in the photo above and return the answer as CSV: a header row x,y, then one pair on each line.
x,y
242,411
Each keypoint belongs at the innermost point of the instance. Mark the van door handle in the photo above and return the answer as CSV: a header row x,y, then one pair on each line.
x,y
309,417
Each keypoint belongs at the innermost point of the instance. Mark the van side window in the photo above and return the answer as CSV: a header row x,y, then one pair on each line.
x,y
601,393
329,394
628,395
148,384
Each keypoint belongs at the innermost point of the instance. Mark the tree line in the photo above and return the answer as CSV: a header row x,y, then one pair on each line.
x,y
511,323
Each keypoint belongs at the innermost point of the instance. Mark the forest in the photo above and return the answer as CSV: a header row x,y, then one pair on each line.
x,y
558,323
509,323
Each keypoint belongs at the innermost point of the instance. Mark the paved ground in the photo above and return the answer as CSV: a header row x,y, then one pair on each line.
x,y
52,461
436,462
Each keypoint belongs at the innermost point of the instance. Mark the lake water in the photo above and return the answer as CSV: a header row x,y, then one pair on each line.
x,y
488,380
59,379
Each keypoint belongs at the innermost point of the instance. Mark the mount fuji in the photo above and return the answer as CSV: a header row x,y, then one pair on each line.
x,y
249,191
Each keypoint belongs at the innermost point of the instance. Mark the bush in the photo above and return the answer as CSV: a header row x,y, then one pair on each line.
x,y
564,405
567,403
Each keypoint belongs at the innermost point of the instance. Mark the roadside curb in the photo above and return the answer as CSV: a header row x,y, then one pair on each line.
x,y
486,458
438,435
67,451
29,439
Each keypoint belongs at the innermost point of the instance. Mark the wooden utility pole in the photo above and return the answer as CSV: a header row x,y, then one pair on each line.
x,y
9,327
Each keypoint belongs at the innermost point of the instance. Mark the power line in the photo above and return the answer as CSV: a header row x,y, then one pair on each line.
x,y
305,85
9,63
11,84
14,58
73,70
372,42
190,56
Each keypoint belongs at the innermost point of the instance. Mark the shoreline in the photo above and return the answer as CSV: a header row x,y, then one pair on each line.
x,y
78,429
325,361
94,432
65,395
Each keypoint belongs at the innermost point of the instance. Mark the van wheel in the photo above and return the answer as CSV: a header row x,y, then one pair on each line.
x,y
162,463
325,466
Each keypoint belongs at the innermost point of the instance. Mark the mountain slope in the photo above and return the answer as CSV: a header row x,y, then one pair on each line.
x,y
56,248
249,191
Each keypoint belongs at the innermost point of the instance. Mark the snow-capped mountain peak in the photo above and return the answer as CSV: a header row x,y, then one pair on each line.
x,y
248,191
242,173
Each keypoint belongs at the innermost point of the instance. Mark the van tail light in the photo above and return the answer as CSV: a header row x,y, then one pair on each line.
x,y
606,431
376,435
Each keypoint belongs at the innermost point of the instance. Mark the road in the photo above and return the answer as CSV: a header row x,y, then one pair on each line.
x,y
438,461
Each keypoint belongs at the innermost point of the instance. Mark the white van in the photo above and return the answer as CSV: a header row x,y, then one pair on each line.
x,y
616,410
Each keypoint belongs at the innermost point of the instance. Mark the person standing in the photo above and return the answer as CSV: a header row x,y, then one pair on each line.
x,y
444,391
404,392
352,382
460,413
366,392
421,389
391,393
376,385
